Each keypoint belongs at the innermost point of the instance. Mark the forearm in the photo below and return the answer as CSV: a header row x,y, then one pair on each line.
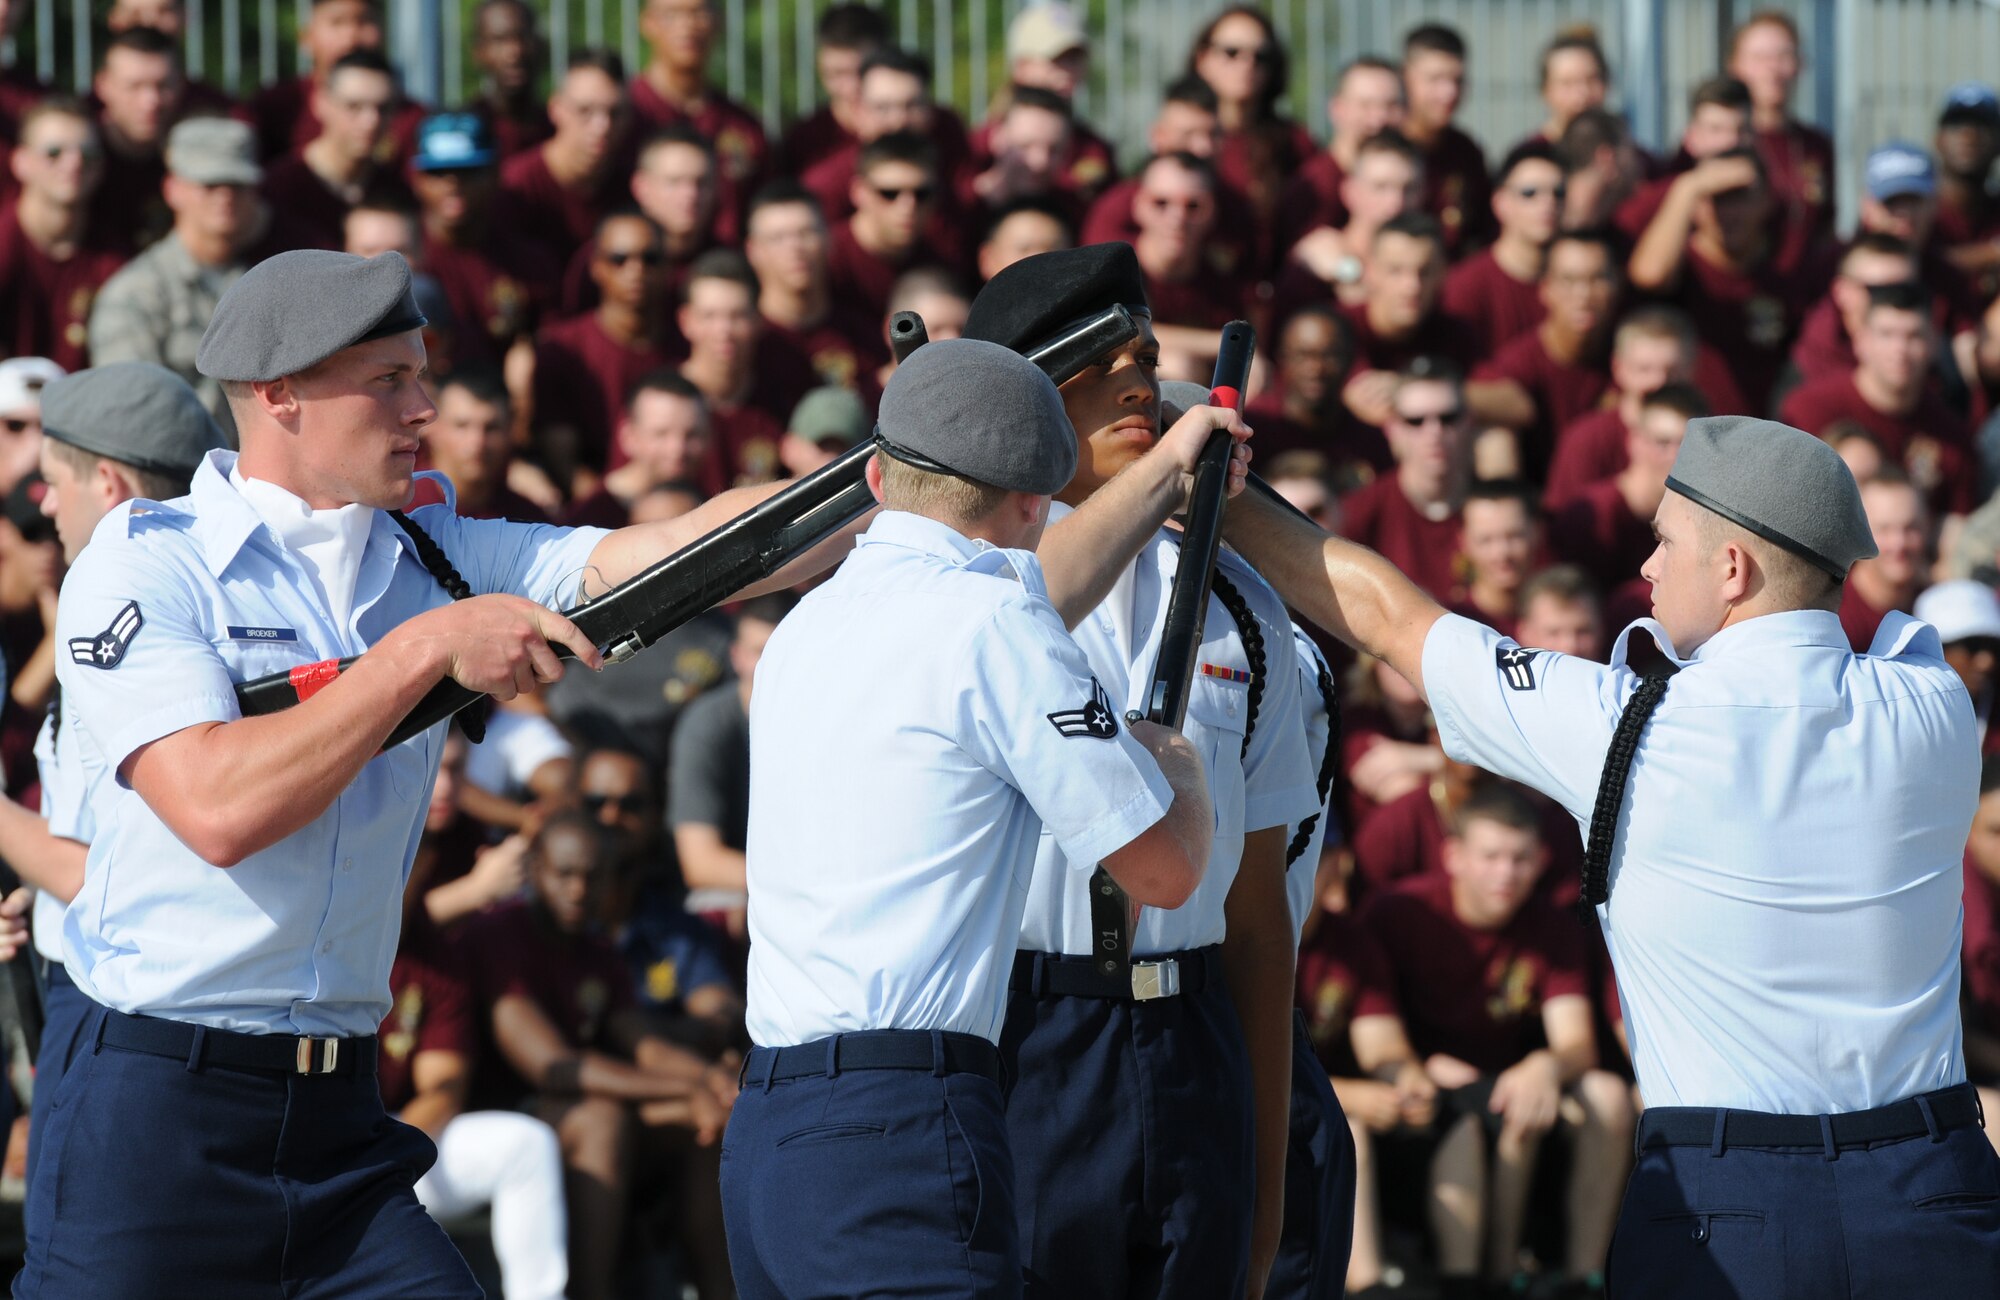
x,y
51,863
1083,553
1257,962
430,1111
481,804
708,863
1346,589
1501,403
594,1074
1657,257
456,899
36,677
230,789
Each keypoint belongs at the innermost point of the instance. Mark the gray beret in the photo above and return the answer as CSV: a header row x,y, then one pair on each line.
x,y
133,412
1780,483
982,412
290,312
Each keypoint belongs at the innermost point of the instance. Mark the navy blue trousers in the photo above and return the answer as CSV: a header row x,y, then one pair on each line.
x,y
158,1179
1914,1218
871,1183
64,1011
1319,1185
1132,1144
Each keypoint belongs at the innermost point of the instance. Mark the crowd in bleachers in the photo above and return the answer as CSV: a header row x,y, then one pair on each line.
x,y
1479,357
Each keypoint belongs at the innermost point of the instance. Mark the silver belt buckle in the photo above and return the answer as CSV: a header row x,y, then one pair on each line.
x,y
329,1055
1155,979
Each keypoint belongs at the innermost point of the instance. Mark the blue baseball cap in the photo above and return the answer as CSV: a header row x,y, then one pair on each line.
x,y
454,142
1970,101
1899,168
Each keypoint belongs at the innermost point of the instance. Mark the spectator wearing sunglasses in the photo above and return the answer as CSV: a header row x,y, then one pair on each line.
x,y
52,261
1192,299
1240,57
585,366
1498,291
894,192
21,382
708,780
1414,516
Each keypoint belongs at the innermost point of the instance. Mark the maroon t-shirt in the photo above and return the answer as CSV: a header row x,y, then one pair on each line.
x,y
1563,393
45,304
1498,307
1599,533
1823,346
1982,950
1342,976
498,289
1207,300
1858,618
1457,190
811,139
551,214
598,510
1087,165
1405,840
1380,517
1356,452
516,131
283,118
1475,994
430,1010
1749,317
1312,199
578,981
313,214
860,279
745,443
1641,206
742,153
839,350
1799,161
1589,450
582,378
1931,442
1437,335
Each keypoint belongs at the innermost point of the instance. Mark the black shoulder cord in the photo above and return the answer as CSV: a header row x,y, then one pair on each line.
x,y
1252,633
55,711
471,719
1611,791
1329,762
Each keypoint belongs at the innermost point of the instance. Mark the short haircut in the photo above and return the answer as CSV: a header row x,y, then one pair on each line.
x,y
1041,204
665,380
1039,97
152,484
625,212
1590,237
1792,581
483,383
913,147
680,133
1658,321
1587,132
143,40
721,264
852,27
1500,802
1301,463
944,497
781,193
1566,584
1684,400
1526,152
1902,295
1517,490
1413,225
1763,18
1336,320
1722,92
1879,243
575,821
1186,161
1581,38
1191,90
1429,370
54,106
1365,63
391,200
1391,141
363,61
921,281
607,61
771,607
1434,38
897,59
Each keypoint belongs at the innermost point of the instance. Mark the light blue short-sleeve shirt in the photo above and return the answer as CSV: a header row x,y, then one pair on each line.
x,y
1269,785
167,609
917,723
1785,908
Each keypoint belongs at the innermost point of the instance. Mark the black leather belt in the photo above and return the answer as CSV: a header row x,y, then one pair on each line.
x,y
940,1051
1931,1114
199,1045
1147,978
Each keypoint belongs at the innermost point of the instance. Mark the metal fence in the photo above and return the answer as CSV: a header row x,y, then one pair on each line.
x,y
1874,68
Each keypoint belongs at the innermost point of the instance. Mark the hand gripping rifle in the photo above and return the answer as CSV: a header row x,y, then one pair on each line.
x,y
748,549
1112,917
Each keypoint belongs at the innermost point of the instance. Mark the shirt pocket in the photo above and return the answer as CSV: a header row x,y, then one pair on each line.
x,y
1218,716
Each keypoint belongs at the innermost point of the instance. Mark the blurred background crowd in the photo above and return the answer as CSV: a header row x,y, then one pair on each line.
x,y
1479,356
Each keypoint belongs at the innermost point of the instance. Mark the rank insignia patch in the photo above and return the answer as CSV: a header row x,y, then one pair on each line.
x,y
107,648
1517,666
1093,719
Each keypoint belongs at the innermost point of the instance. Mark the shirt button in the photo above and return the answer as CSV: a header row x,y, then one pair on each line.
x,y
347,864
327,946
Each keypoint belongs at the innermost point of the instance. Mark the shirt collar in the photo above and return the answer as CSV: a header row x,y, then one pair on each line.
x,y
919,533
1795,627
224,521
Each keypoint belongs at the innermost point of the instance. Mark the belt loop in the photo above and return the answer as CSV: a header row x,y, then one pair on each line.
x,y
771,1067
743,1072
1038,975
938,1070
198,1049
833,1056
1826,1136
97,1035
1930,1117
1715,1148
